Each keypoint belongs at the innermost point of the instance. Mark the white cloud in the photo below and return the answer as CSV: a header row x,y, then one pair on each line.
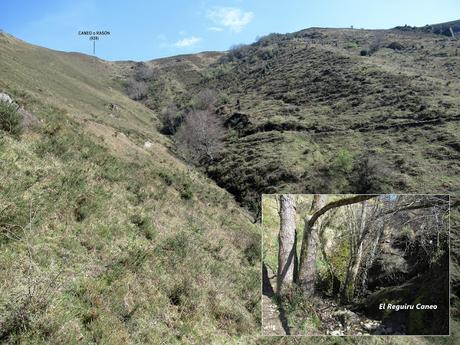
x,y
215,28
230,17
187,42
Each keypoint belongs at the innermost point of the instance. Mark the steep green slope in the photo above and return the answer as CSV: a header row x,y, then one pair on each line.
x,y
308,113
104,239
339,111
320,116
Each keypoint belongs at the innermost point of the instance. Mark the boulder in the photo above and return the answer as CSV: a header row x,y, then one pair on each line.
x,y
28,118
5,98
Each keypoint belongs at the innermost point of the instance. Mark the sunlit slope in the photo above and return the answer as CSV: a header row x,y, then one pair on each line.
x,y
337,110
104,239
85,86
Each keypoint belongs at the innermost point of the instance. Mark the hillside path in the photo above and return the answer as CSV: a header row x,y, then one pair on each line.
x,y
273,323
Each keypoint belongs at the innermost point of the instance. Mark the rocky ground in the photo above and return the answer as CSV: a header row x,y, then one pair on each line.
x,y
338,320
335,319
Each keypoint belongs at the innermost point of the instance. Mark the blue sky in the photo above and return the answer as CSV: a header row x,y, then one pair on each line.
x,y
143,30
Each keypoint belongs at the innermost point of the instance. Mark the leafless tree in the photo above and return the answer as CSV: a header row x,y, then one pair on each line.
x,y
136,90
143,72
205,100
307,267
377,43
199,139
363,231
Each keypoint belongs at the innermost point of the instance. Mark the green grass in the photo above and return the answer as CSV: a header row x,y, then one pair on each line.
x,y
105,237
10,119
103,241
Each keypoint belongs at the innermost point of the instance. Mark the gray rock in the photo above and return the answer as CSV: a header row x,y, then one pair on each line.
x,y
5,98
346,317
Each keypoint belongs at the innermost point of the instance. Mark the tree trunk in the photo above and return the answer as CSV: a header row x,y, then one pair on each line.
x,y
371,257
287,256
307,269
356,259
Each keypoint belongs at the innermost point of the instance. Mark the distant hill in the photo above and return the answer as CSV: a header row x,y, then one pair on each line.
x,y
439,29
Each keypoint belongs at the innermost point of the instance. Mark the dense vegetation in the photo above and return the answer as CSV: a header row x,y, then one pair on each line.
x,y
365,251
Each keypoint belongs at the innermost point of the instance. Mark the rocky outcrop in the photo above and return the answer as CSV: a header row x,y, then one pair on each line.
x,y
28,118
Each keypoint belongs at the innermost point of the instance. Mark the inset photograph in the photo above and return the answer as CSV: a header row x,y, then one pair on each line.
x,y
355,264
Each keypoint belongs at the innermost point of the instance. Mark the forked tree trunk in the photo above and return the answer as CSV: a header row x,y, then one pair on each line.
x,y
287,256
307,268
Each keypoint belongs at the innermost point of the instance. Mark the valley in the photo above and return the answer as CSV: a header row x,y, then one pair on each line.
x,y
117,227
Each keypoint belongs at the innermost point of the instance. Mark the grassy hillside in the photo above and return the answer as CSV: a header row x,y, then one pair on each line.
x,y
102,239
308,113
334,110
107,237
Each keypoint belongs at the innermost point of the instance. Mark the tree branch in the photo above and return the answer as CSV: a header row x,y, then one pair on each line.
x,y
338,203
418,206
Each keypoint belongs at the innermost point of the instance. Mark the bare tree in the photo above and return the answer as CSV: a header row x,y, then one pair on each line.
x,y
363,233
377,43
143,72
199,139
307,274
205,100
287,256
366,224
136,90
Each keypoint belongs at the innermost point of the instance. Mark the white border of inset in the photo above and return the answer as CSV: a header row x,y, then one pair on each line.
x,y
346,335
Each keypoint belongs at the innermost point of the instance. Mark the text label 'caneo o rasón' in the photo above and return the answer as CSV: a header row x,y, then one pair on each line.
x,y
92,33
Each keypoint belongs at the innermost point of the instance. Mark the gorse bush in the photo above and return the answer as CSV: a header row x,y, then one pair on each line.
x,y
10,118
343,161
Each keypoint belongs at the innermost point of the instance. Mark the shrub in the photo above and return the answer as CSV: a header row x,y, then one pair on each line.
x,y
238,51
395,46
10,119
351,45
377,44
136,90
343,161
364,52
171,119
